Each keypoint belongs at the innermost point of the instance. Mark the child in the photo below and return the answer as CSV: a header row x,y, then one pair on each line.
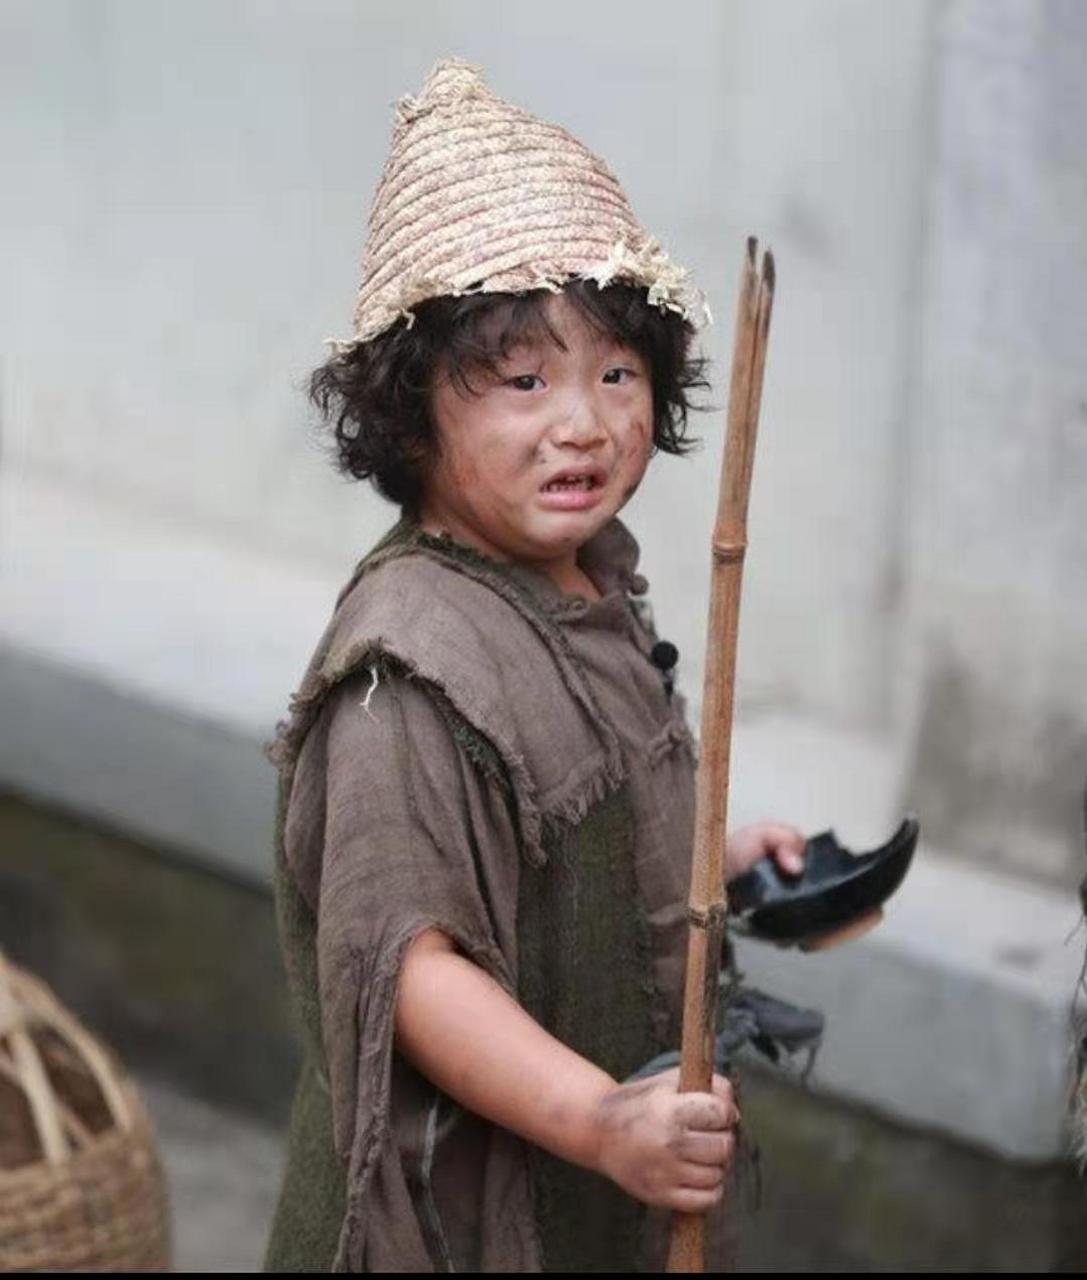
x,y
486,783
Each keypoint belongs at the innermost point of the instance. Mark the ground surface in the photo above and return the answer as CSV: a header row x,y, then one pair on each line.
x,y
840,1193
179,971
223,1171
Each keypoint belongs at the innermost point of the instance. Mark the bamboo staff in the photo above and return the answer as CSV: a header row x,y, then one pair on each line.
x,y
707,901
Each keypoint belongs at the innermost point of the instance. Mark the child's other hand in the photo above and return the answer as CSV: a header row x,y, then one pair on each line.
x,y
666,1148
775,840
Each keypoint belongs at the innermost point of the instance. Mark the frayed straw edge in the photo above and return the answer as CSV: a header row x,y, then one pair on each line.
x,y
450,80
668,284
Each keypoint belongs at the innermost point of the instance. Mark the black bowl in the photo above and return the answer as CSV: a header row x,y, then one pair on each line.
x,y
836,888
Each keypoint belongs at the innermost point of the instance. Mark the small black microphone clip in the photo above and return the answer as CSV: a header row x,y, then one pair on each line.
x,y
664,655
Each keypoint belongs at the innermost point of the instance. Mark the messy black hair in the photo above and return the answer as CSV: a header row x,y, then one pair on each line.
x,y
375,397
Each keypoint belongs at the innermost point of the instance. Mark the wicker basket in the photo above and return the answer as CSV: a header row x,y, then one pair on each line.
x,y
81,1185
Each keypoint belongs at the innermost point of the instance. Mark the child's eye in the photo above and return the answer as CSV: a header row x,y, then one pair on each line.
x,y
613,375
524,381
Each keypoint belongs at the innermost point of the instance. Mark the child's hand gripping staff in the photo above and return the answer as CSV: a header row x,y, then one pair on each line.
x,y
477,1044
707,897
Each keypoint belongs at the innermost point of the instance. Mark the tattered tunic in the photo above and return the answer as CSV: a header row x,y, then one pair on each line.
x,y
475,751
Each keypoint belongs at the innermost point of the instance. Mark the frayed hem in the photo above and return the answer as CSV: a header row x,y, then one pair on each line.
x,y
370,1137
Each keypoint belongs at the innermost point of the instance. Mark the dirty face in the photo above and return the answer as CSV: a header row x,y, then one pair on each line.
x,y
547,451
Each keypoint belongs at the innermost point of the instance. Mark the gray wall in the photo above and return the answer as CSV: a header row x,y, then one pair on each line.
x,y
183,215
996,596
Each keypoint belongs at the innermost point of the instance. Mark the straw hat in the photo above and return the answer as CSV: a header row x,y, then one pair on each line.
x,y
480,196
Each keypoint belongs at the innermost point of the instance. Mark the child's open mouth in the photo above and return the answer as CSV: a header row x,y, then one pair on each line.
x,y
573,490
581,482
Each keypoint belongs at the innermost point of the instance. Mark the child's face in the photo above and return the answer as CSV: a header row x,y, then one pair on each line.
x,y
543,456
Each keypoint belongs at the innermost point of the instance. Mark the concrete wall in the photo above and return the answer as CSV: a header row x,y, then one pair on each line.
x,y
185,226
183,205
188,220
996,599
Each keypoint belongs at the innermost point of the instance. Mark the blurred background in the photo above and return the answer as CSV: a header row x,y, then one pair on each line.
x,y
184,199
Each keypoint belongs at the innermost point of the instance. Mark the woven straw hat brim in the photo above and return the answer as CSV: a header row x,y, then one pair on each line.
x,y
479,195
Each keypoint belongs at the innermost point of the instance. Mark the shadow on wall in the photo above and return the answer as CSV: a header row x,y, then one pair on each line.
x,y
969,781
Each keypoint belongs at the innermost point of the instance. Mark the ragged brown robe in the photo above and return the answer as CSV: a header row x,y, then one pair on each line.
x,y
471,749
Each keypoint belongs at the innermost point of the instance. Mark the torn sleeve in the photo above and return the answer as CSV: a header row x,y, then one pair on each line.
x,y
413,839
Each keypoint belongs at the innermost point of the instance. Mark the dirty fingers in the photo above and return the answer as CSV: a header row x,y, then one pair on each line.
x,y
665,1148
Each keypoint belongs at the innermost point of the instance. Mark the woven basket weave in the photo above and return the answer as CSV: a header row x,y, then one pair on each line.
x,y
81,1185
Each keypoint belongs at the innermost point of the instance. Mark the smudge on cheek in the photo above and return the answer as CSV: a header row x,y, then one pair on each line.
x,y
634,458
638,445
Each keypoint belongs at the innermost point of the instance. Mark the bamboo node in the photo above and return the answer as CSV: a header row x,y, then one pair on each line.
x,y
728,552
711,917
